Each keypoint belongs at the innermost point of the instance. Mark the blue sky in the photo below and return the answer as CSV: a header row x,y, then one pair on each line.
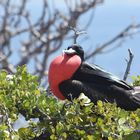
x,y
110,19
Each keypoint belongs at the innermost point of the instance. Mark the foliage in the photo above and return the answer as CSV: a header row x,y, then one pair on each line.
x,y
21,93
136,80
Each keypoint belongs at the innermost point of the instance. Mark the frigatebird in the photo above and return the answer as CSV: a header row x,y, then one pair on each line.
x,y
69,76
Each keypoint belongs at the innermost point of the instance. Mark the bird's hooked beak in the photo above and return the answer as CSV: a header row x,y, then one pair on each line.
x,y
69,51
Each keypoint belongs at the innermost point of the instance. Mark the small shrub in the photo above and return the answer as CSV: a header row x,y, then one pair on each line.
x,y
21,93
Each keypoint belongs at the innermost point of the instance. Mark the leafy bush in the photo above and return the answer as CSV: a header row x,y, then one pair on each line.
x,y
21,93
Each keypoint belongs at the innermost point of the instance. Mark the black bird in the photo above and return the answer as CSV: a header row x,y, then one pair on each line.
x,y
69,76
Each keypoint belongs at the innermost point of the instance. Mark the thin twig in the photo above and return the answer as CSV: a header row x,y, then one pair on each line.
x,y
7,120
77,33
127,32
129,62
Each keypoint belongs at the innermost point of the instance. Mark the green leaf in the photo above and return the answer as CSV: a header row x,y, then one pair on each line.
x,y
90,137
26,104
133,136
3,75
64,135
53,137
100,103
110,138
121,121
3,127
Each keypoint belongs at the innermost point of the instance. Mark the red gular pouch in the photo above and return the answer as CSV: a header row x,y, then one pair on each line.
x,y
62,68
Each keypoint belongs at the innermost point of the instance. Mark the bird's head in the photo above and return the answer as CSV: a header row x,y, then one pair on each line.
x,y
75,49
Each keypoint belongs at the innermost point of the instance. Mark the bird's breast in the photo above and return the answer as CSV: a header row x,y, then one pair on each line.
x,y
62,68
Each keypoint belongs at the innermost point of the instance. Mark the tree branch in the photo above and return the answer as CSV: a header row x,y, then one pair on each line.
x,y
127,32
129,62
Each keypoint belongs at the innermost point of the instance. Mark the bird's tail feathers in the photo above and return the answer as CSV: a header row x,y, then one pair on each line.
x,y
136,95
136,90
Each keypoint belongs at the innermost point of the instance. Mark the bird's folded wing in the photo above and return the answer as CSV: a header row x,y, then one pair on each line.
x,y
95,74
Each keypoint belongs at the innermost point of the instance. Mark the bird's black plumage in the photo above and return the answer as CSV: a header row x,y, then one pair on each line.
x,y
97,84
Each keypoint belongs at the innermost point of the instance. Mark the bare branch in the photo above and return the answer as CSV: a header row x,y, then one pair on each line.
x,y
129,62
127,32
7,120
77,33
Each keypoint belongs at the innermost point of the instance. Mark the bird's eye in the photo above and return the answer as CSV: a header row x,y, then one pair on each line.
x,y
69,48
